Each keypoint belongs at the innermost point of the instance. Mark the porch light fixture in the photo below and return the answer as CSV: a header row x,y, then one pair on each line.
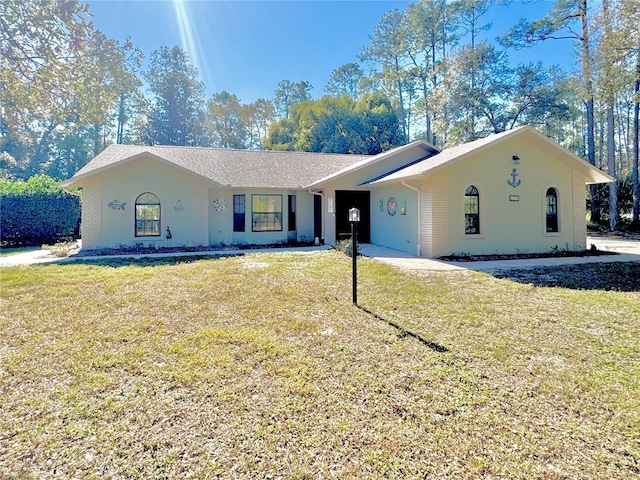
x,y
516,159
354,218
514,198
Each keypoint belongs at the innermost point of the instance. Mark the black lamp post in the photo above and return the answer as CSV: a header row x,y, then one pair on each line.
x,y
354,218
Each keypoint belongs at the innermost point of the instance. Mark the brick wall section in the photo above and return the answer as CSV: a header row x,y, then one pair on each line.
x,y
91,213
434,210
579,212
201,216
441,217
426,214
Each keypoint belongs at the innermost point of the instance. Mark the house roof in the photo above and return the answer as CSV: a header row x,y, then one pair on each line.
x,y
297,170
454,154
230,167
423,148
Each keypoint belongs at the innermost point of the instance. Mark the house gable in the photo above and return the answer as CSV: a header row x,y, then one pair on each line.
x,y
512,209
80,177
228,167
525,134
182,199
379,166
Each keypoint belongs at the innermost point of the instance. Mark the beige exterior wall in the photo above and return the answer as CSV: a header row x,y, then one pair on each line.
x,y
579,212
512,226
304,215
188,220
351,181
329,215
221,220
434,207
193,222
91,220
400,230
200,215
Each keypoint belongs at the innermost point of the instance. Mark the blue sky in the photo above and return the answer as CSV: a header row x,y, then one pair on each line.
x,y
247,47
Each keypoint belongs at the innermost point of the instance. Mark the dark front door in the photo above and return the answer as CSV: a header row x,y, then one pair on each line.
x,y
345,200
317,217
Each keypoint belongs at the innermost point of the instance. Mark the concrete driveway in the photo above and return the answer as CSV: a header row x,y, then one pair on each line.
x,y
626,250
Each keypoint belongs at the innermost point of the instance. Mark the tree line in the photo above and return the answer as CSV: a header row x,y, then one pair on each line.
x,y
67,91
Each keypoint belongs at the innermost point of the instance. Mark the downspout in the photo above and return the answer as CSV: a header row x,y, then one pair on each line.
x,y
418,247
322,216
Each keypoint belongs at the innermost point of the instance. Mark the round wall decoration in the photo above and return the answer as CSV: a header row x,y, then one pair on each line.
x,y
392,206
219,205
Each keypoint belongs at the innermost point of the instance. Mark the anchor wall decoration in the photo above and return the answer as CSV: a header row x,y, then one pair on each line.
x,y
513,182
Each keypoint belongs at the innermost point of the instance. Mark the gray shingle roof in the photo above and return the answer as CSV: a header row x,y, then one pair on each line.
x,y
229,167
453,154
427,149
445,156
296,170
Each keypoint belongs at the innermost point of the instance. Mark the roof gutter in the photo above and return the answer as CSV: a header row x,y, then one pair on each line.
x,y
418,247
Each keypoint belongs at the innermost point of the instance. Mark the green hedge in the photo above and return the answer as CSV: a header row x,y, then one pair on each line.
x,y
37,212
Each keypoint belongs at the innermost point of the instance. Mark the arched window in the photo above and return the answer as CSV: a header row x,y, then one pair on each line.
x,y
471,211
552,210
147,215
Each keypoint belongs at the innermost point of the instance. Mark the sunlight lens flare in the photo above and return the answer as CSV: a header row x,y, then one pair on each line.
x,y
189,38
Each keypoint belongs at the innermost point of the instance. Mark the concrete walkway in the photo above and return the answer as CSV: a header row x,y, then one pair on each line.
x,y
628,251
404,260
27,258
45,256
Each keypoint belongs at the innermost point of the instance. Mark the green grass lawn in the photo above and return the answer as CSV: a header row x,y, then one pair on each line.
x,y
259,366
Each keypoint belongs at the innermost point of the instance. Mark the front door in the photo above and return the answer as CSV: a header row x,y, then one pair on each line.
x,y
292,230
345,200
317,218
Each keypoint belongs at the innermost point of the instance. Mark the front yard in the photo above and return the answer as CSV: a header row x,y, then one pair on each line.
x,y
259,366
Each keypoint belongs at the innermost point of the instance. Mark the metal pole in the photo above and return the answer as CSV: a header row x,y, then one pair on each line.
x,y
354,255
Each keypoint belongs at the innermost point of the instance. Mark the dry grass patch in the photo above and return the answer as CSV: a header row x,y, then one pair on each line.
x,y
259,365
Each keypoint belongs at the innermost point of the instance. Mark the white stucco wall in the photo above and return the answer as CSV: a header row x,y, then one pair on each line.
x,y
579,212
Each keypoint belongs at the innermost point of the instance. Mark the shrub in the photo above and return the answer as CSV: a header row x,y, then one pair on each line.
x,y
37,211
624,190
345,247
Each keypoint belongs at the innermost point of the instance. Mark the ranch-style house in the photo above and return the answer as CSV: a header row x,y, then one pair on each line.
x,y
515,191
